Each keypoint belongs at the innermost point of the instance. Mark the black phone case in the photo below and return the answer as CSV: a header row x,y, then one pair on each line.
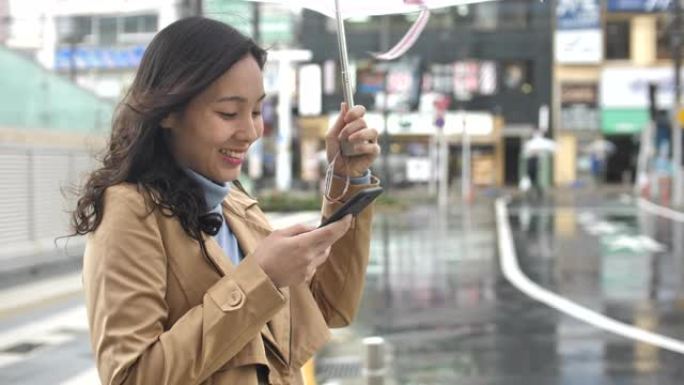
x,y
355,204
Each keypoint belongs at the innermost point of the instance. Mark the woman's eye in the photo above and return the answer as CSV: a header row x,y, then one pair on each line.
x,y
256,113
227,115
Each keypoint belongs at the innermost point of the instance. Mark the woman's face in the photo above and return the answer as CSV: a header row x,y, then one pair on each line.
x,y
212,135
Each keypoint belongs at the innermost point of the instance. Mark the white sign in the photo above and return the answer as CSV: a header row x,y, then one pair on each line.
x,y
310,90
418,169
579,47
477,123
628,87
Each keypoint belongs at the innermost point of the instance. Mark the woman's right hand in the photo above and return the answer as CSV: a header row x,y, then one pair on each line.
x,y
290,256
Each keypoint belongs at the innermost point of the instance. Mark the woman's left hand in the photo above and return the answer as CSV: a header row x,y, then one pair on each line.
x,y
351,125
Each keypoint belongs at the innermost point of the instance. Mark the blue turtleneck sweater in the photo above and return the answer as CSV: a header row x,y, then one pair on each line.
x,y
215,193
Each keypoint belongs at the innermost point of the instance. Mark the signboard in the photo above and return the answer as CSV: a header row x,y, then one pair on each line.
x,y
310,90
578,14
579,47
616,121
473,77
579,106
628,87
578,37
418,170
638,5
98,58
477,123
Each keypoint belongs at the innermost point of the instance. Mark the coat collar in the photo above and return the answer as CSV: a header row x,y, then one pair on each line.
x,y
238,201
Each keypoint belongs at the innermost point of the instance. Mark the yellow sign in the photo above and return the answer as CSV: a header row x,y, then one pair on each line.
x,y
680,117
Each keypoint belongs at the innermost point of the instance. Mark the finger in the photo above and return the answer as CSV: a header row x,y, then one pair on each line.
x,y
336,128
355,113
364,135
352,127
367,148
325,236
292,231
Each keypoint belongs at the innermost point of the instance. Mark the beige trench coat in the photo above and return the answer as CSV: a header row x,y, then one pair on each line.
x,y
161,313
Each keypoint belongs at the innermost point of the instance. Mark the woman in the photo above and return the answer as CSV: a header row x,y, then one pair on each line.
x,y
185,281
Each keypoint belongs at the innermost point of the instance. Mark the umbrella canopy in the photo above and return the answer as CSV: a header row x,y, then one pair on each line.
x,y
538,145
342,9
361,8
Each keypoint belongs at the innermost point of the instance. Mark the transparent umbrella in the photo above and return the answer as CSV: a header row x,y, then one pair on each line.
x,y
600,147
538,145
343,9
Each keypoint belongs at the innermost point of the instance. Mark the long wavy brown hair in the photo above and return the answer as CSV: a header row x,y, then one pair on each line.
x,y
181,61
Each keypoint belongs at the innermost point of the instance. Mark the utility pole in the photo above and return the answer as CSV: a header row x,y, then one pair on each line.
x,y
191,8
256,22
385,36
676,33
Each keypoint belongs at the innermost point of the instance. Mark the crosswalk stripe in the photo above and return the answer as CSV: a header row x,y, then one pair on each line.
x,y
52,330
88,377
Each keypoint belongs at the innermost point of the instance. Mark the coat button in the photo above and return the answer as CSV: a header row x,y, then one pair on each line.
x,y
235,298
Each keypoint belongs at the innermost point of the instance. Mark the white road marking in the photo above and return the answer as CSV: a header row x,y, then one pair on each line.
x,y
602,228
88,377
662,211
635,243
47,331
512,272
10,358
32,293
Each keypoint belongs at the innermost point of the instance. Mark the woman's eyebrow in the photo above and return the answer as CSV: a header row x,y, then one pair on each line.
x,y
237,98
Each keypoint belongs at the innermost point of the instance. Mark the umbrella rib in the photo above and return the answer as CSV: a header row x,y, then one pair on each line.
x,y
408,40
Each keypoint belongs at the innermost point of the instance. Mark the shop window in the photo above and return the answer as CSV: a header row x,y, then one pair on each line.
x,y
486,16
107,30
617,40
664,44
516,76
514,14
137,27
75,29
462,15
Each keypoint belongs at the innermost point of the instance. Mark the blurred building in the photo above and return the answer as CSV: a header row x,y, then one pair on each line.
x,y
98,44
492,60
606,54
4,26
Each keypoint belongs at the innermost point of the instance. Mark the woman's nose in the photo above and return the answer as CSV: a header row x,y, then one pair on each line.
x,y
249,130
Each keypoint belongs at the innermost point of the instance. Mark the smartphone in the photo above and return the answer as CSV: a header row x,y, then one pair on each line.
x,y
354,205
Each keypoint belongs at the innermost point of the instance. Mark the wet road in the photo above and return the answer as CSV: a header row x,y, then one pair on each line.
x,y
435,291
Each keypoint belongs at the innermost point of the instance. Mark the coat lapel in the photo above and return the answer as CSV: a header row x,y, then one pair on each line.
x,y
249,229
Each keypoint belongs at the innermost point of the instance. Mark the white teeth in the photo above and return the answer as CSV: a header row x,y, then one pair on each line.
x,y
232,154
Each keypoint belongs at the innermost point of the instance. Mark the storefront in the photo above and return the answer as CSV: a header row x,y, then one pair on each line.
x,y
625,113
413,145
578,129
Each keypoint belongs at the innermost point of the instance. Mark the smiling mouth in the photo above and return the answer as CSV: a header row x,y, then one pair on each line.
x,y
233,154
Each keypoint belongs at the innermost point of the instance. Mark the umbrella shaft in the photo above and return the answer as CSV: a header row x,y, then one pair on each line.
x,y
344,60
